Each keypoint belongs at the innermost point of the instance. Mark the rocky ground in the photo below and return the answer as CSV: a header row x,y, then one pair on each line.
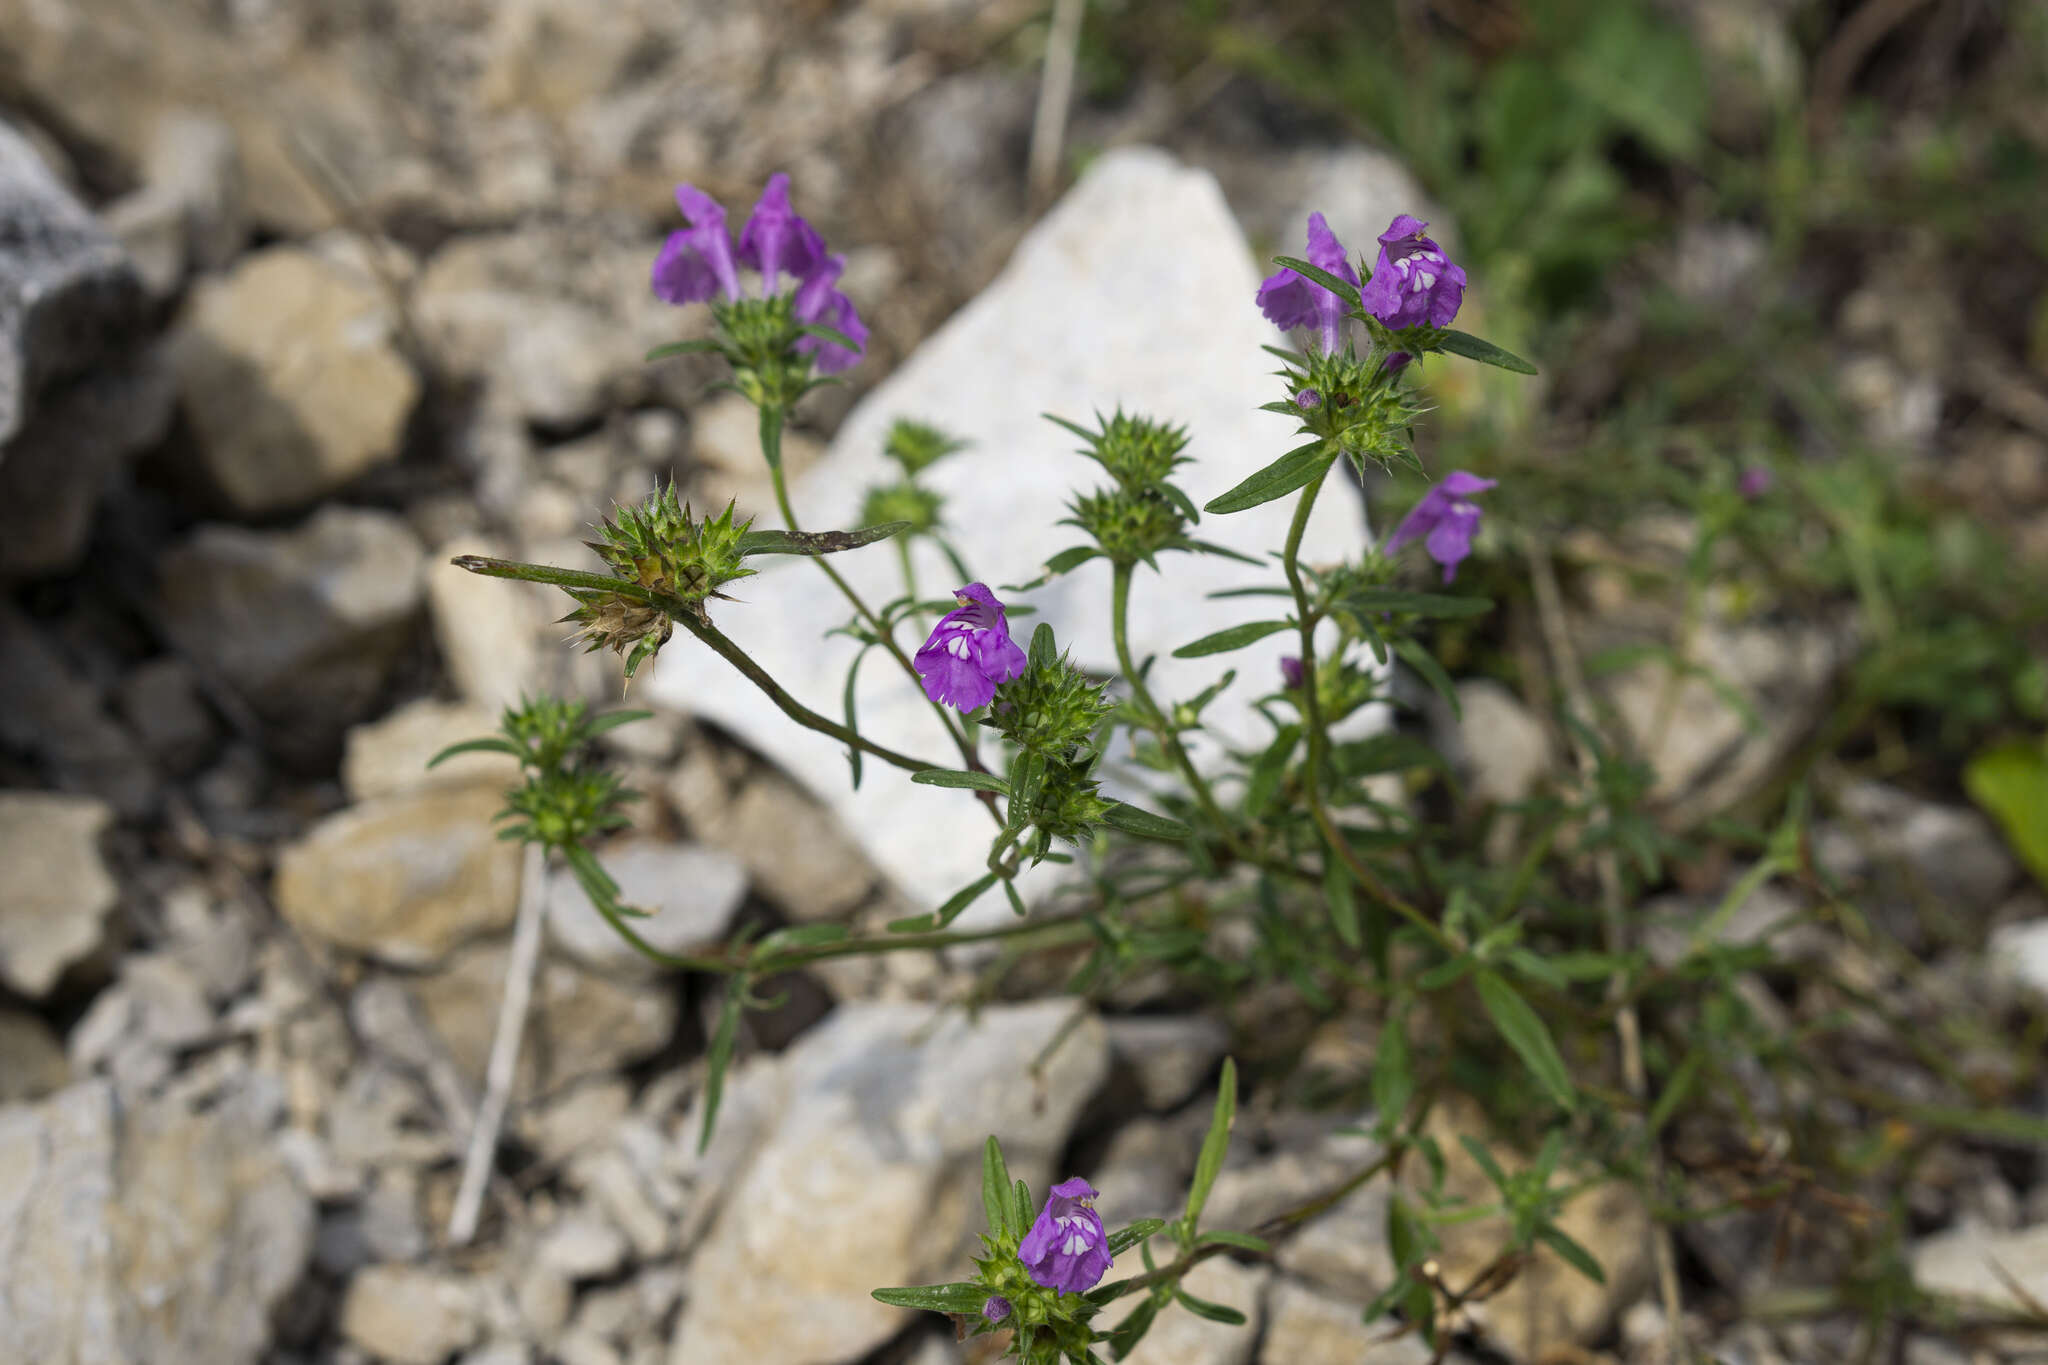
x,y
299,299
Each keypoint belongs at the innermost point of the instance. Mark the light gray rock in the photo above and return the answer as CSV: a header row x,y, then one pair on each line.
x,y
32,1062
2019,953
1908,848
555,319
389,756
580,1023
486,627
149,1235
1344,1251
1305,1328
409,1315
1961,1262
866,1177
405,879
692,893
793,849
304,624
290,379
188,211
1178,1337
136,1027
1135,291
582,1246
1168,1055
56,897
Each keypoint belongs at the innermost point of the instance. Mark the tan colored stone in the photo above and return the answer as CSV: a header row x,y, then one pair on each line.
x,y
579,1024
290,380
57,893
1548,1304
408,1315
389,757
405,879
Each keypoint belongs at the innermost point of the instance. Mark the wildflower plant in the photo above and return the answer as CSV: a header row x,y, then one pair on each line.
x,y
1346,892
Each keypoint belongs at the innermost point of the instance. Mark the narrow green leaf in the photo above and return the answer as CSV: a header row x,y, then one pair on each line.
x,y
1336,284
1262,783
798,936
1338,892
771,434
1202,1308
1243,1241
1478,1152
719,1057
478,746
817,542
612,720
1145,824
1123,1239
1576,1256
1675,1090
1485,352
961,899
995,1188
912,924
850,709
1527,1034
1210,547
1235,637
1393,1082
1297,468
681,348
1214,1144
831,334
1425,663
964,1296
953,777
1020,1205
1125,1336
1044,652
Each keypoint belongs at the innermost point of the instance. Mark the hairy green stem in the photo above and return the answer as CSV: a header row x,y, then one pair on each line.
x,y
1120,601
1318,741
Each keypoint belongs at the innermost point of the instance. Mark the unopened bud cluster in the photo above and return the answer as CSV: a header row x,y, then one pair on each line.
x,y
1143,512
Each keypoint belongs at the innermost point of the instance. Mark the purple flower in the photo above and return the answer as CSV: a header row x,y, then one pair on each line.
x,y
969,651
819,300
1290,672
1396,362
1755,482
1447,518
1308,400
697,262
777,240
1414,281
1291,300
1066,1248
996,1309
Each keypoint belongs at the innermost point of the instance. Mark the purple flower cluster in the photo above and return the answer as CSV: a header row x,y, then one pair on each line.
x,y
1446,520
1413,283
700,263
1067,1248
969,651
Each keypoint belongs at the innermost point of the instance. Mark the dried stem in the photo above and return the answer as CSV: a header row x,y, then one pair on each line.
x,y
503,1068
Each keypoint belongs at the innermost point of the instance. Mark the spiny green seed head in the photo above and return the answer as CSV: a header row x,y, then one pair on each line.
x,y
902,501
917,446
1129,526
1069,806
1138,452
659,545
1052,709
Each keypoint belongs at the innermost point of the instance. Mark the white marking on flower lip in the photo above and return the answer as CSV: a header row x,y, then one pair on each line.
x,y
1426,280
1076,1243
957,646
